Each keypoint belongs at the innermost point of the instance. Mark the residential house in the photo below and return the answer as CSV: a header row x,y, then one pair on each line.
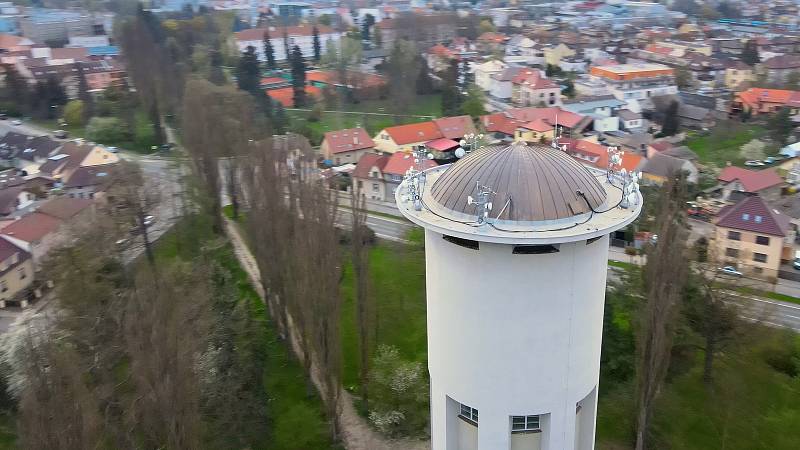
x,y
696,117
596,155
71,156
501,85
13,199
524,50
405,137
285,96
10,43
737,73
425,29
16,271
778,68
300,35
759,101
35,233
631,121
736,182
554,54
530,88
396,168
346,146
440,58
68,209
499,126
661,167
10,144
604,110
539,124
368,176
483,73
88,182
751,236
35,153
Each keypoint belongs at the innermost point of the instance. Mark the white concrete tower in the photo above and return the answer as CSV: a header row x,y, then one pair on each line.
x,y
516,245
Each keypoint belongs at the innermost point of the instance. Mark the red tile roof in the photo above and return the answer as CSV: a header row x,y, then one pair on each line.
x,y
442,145
755,96
534,81
753,214
64,207
660,146
538,125
348,140
32,228
400,162
597,154
367,162
500,123
752,180
455,127
565,118
414,132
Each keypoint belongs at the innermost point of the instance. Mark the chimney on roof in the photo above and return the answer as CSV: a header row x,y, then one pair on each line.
x,y
355,139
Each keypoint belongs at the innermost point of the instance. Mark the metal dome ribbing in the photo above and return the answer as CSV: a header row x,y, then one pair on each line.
x,y
541,182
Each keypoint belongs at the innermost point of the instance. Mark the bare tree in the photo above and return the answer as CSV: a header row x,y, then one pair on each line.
x,y
131,199
364,308
664,278
217,122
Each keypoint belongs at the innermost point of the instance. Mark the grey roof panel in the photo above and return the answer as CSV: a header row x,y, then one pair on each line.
x,y
536,182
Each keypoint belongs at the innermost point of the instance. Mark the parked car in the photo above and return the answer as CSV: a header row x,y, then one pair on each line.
x,y
774,159
112,149
796,262
3,116
60,134
149,220
754,163
16,122
729,270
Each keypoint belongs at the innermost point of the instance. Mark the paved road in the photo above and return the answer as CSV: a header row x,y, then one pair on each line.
x,y
384,227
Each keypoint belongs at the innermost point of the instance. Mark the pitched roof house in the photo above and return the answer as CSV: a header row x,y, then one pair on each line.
x,y
368,175
735,181
346,146
760,100
752,236
404,137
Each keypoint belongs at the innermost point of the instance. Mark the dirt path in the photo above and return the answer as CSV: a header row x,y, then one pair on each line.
x,y
356,432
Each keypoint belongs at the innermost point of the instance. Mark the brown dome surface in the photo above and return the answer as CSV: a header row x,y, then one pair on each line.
x,y
540,181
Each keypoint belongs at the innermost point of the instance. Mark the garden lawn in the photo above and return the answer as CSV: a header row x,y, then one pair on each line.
x,y
723,142
397,288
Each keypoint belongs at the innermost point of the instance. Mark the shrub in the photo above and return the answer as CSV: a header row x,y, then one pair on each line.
x,y
107,130
399,394
73,112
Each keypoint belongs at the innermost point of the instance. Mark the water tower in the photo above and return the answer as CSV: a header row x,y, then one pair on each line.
x,y
516,247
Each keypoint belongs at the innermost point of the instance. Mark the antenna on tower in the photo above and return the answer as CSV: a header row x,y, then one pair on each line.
x,y
482,201
557,135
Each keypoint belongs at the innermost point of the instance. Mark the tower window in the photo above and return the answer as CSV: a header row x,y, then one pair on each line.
x,y
594,239
469,413
468,243
525,423
534,249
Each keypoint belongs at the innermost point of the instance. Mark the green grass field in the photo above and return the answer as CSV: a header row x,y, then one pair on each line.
x,y
722,144
429,105
397,287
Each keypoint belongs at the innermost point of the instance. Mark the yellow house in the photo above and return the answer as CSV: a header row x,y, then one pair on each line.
x,y
536,131
737,74
554,55
752,237
16,271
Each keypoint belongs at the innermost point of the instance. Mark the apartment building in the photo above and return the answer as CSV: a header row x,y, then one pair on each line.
x,y
636,81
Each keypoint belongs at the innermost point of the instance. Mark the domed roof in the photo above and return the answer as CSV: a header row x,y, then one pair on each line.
x,y
530,183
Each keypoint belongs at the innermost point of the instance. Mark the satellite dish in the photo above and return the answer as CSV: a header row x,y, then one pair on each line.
x,y
460,152
462,142
430,155
489,206
470,200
